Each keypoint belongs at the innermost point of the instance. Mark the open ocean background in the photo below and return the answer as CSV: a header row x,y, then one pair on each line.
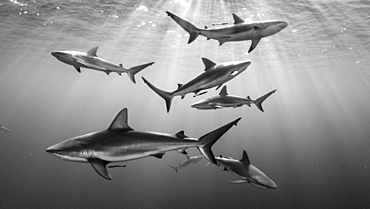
x,y
313,139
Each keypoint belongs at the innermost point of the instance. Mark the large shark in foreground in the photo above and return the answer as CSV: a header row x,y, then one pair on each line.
x,y
239,31
188,162
213,75
92,61
246,172
3,128
121,143
225,100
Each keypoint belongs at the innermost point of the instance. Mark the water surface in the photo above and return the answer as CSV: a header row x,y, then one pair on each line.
x,y
312,139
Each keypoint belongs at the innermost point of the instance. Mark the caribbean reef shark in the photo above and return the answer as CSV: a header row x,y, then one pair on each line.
x,y
239,31
225,100
91,61
213,75
189,161
246,172
121,143
3,128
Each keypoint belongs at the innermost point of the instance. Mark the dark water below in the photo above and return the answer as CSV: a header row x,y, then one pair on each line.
x,y
312,139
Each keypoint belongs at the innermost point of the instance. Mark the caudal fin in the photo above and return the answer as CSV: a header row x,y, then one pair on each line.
x,y
190,28
206,141
259,101
164,94
132,71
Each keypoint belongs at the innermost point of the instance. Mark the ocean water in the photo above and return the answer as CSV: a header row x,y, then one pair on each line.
x,y
313,139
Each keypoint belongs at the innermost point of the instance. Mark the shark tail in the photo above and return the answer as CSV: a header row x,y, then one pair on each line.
x,y
132,71
190,28
175,168
207,140
167,96
259,101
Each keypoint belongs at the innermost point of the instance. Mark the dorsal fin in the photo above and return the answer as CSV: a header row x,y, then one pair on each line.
x,y
223,91
92,52
120,65
237,19
179,85
181,134
245,158
120,122
208,63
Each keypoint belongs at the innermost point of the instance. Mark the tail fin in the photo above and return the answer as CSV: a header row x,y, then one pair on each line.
x,y
206,141
190,28
259,101
164,94
173,167
132,71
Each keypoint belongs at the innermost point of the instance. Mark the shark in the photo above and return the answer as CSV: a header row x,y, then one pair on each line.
x,y
238,31
213,75
91,60
224,100
121,143
3,128
188,162
246,172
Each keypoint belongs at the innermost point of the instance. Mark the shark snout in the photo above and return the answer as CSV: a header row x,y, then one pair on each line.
x,y
51,150
244,65
59,55
282,25
55,149
55,54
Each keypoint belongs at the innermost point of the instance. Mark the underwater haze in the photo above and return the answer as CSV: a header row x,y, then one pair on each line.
x,y
312,140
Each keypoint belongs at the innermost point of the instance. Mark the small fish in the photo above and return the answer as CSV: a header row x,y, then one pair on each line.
x,y
117,166
3,129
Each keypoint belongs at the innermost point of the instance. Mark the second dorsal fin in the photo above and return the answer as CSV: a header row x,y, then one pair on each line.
x,y
237,19
121,121
92,52
223,91
208,63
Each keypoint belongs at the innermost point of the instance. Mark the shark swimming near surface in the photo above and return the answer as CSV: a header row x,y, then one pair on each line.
x,y
122,143
224,100
188,162
239,31
213,75
3,128
246,172
91,61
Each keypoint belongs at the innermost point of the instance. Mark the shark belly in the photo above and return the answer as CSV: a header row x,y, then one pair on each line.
x,y
241,36
96,63
204,81
135,145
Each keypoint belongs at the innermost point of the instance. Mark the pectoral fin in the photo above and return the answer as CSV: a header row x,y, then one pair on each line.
x,y
78,69
254,44
100,167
